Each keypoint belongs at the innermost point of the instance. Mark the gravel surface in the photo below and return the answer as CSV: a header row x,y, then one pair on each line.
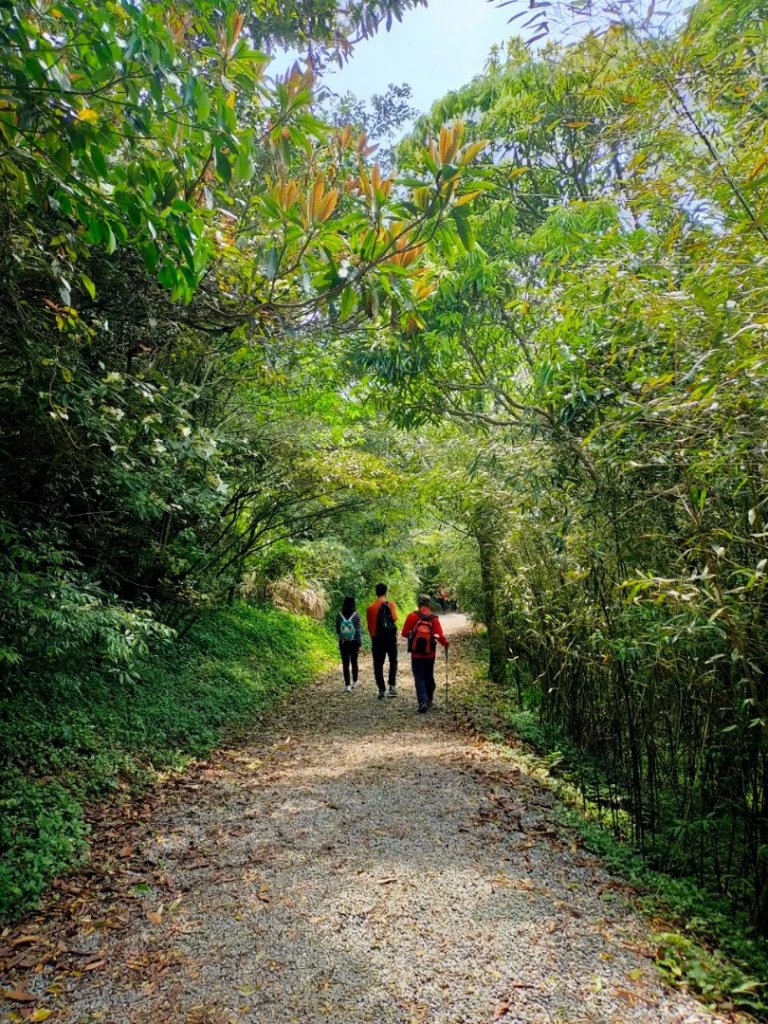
x,y
359,863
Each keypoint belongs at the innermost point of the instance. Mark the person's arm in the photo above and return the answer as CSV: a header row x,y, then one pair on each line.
x,y
338,624
408,625
393,606
358,622
439,634
370,618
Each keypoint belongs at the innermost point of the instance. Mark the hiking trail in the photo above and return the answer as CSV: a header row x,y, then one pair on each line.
x,y
357,862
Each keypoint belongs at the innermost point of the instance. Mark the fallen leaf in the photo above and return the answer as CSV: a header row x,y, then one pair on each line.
x,y
93,965
18,995
386,881
502,1009
41,1014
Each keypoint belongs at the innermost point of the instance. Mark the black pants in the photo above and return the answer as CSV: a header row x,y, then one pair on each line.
x,y
424,678
383,647
349,651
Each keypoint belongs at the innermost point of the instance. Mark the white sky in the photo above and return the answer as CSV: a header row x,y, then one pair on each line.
x,y
433,49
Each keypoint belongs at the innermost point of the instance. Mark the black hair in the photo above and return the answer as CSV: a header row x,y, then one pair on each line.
x,y
425,599
348,607
381,589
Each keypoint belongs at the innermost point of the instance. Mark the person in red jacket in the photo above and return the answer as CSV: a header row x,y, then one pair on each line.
x,y
423,631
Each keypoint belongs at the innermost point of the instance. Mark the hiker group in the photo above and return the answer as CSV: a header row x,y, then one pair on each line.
x,y
421,629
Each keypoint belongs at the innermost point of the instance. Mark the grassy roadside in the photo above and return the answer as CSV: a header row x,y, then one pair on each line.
x,y
702,941
89,739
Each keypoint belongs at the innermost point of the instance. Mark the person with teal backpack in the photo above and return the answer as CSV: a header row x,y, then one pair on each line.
x,y
349,630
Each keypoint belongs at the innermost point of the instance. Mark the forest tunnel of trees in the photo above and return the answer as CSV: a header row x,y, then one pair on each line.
x,y
255,348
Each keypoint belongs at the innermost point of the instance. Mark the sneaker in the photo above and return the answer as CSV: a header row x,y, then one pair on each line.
x,y
430,703
382,694
422,708
393,691
348,689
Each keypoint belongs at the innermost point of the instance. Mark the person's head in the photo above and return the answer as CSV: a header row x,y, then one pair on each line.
x,y
381,589
348,606
424,601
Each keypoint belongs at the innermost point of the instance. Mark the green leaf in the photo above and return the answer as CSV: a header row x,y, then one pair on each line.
x,y
223,167
272,264
203,103
88,284
461,220
243,167
348,303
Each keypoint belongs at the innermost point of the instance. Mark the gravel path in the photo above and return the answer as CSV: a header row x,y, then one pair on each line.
x,y
359,863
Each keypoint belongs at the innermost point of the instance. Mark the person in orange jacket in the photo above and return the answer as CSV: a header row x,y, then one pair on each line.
x,y
381,617
423,631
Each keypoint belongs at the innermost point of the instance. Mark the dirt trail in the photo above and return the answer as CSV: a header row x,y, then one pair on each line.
x,y
359,862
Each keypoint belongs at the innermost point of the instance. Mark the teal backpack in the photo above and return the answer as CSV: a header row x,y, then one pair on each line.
x,y
346,629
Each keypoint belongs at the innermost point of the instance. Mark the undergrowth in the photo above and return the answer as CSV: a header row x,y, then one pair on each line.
x,y
78,740
704,942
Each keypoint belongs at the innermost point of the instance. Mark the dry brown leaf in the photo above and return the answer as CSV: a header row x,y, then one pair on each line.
x,y
502,1009
154,916
18,995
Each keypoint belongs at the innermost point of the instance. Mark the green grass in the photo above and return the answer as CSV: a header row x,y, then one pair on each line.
x,y
75,741
704,942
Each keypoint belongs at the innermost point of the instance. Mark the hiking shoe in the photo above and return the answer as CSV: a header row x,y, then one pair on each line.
x,y
430,703
422,708
393,691
348,689
382,694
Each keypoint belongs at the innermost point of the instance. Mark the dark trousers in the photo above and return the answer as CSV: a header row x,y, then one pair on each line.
x,y
383,647
424,678
349,651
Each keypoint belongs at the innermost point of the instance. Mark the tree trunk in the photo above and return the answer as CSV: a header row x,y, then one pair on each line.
x,y
490,574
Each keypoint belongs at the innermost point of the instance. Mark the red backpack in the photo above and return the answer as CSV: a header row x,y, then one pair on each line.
x,y
421,639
